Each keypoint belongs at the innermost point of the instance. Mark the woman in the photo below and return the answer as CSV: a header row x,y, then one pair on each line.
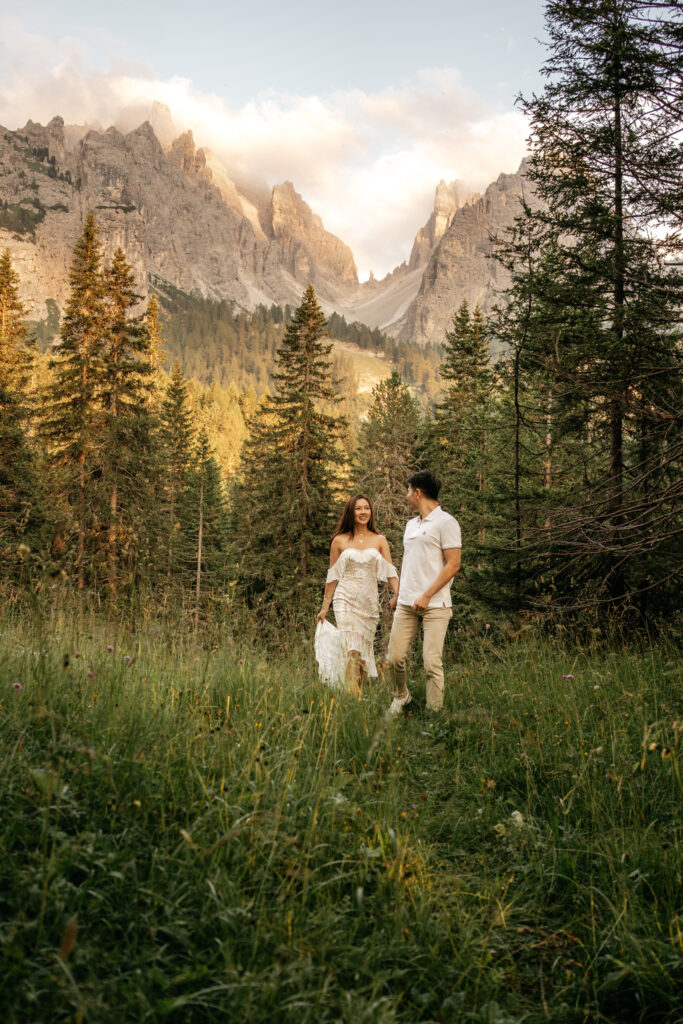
x,y
359,559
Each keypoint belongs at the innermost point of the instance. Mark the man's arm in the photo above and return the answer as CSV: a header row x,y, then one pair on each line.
x,y
452,566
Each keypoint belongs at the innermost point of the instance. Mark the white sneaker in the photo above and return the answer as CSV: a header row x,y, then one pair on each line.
x,y
398,704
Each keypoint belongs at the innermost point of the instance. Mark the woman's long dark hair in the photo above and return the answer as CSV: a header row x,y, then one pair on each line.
x,y
347,522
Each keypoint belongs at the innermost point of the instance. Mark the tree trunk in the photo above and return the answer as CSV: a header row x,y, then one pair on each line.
x,y
200,532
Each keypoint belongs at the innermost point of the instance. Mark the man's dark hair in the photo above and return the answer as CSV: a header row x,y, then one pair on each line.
x,y
427,482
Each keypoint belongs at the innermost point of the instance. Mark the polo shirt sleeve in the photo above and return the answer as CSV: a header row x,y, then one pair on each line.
x,y
450,533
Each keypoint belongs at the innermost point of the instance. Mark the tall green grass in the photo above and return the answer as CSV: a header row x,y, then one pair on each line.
x,y
203,835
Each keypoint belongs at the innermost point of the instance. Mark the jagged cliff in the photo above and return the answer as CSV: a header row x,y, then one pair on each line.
x,y
176,214
460,266
180,218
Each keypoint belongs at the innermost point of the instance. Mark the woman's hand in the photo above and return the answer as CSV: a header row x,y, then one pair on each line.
x,y
320,617
393,602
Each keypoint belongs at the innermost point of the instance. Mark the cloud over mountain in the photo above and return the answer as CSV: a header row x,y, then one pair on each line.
x,y
368,163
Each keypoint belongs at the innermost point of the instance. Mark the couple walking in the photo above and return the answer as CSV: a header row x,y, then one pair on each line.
x,y
360,558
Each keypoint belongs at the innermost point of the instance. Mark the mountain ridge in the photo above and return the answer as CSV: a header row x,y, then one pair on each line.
x,y
180,218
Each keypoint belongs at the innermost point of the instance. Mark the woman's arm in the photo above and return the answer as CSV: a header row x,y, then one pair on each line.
x,y
335,551
385,552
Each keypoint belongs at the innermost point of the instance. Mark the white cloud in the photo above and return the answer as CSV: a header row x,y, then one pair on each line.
x,y
368,163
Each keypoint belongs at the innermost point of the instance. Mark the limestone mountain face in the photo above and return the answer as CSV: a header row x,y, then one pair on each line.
x,y
180,219
175,213
448,199
308,250
460,266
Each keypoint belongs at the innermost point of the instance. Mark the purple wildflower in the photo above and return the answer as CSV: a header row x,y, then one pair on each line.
x,y
17,686
109,649
568,676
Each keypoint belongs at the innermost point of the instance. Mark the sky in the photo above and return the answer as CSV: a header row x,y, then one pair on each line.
x,y
365,106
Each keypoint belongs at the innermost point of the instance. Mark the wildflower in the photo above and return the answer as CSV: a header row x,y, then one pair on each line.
x,y
517,819
136,803
240,661
77,654
195,659
568,676
17,686
127,658
489,784
297,718
23,550
109,649
90,675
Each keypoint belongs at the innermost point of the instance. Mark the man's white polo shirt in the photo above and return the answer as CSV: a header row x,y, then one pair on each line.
x,y
424,543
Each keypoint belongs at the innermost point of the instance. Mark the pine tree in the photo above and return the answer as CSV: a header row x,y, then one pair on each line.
x,y
177,439
74,418
386,454
463,423
127,426
283,507
206,524
14,334
21,510
601,322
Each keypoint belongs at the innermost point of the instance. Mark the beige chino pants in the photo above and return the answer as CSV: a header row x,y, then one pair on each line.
x,y
403,631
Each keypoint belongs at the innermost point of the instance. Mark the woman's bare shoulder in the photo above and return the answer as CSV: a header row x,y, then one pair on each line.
x,y
339,541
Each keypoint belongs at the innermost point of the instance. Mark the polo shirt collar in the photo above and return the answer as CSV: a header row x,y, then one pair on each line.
x,y
429,514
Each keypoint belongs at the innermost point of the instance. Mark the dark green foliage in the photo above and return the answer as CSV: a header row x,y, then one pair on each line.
x,y
73,423
22,514
177,440
205,527
127,429
283,507
594,317
386,455
461,446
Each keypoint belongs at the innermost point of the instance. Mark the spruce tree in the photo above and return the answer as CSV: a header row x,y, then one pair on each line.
x,y
206,525
601,321
14,334
386,454
284,504
21,507
127,426
74,417
177,440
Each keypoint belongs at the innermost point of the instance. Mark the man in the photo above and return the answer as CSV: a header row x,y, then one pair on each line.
x,y
431,558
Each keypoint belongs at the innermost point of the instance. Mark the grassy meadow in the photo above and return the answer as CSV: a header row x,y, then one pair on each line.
x,y
200,835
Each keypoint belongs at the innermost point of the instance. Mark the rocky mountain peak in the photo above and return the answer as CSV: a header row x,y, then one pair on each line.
x,y
308,249
185,154
449,197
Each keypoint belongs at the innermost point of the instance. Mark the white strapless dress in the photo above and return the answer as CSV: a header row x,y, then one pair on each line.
x,y
356,609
